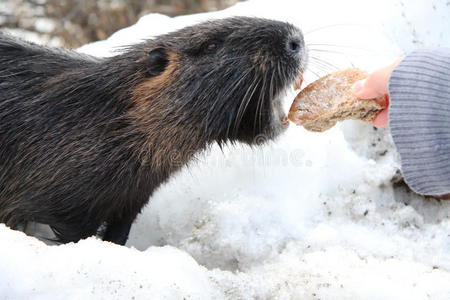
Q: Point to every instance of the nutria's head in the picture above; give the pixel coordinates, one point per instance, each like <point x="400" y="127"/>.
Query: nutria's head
<point x="222" y="79"/>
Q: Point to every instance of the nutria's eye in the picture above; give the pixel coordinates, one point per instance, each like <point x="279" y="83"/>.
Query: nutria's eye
<point x="211" y="47"/>
<point x="156" y="62"/>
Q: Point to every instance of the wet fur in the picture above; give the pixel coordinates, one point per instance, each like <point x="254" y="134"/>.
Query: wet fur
<point x="85" y="141"/>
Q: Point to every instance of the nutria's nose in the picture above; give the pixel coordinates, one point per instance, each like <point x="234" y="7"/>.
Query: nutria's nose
<point x="294" y="45"/>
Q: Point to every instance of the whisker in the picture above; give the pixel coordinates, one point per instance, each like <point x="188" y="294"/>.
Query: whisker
<point x="215" y="105"/>
<point x="332" y="26"/>
<point x="229" y="92"/>
<point x="260" y="105"/>
<point x="330" y="52"/>
<point x="326" y="65"/>
<point x="244" y="103"/>
<point x="234" y="58"/>
<point x="319" y="70"/>
<point x="339" y="46"/>
<point x="327" y="51"/>
<point x="340" y="49"/>
<point x="271" y="85"/>
<point x="314" y="73"/>
<point x="13" y="74"/>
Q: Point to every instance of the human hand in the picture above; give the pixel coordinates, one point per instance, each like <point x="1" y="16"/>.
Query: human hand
<point x="376" y="86"/>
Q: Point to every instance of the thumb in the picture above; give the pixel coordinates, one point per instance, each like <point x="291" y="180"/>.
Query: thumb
<point x="373" y="86"/>
<point x="376" y="84"/>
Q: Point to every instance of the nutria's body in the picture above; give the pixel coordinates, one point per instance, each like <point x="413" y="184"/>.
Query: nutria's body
<point x="85" y="141"/>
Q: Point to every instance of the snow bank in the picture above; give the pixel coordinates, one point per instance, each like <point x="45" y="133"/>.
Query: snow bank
<point x="309" y="216"/>
<point x="92" y="269"/>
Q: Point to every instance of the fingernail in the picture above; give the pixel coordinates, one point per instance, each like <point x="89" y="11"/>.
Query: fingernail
<point x="358" y="86"/>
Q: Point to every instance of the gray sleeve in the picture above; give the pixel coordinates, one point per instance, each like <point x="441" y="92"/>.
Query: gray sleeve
<point x="419" y="116"/>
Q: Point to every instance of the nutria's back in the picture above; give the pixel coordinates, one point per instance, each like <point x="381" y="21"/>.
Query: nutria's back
<point x="85" y="141"/>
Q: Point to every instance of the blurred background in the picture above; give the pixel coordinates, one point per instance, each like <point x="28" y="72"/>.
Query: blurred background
<point x="72" y="23"/>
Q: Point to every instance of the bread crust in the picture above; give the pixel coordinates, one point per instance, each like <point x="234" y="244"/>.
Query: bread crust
<point x="323" y="103"/>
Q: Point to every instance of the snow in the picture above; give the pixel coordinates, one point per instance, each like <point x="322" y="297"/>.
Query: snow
<point x="309" y="216"/>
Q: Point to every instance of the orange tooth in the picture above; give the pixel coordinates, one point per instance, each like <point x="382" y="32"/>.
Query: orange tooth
<point x="298" y="82"/>
<point x="285" y="121"/>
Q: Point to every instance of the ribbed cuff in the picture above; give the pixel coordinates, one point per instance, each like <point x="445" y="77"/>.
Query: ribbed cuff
<point x="419" y="116"/>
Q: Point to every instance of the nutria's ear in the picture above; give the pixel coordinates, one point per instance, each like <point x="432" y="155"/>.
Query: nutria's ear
<point x="156" y="61"/>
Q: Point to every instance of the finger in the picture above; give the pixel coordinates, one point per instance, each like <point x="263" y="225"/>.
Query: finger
<point x="376" y="85"/>
<point x="373" y="86"/>
<point x="381" y="119"/>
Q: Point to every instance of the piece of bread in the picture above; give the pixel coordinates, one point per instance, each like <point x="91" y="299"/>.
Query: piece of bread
<point x="329" y="99"/>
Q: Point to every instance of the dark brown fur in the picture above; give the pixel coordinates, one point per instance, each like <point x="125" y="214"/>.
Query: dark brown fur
<point x="85" y="141"/>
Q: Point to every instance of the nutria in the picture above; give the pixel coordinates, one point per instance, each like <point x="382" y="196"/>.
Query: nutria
<point x="85" y="141"/>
